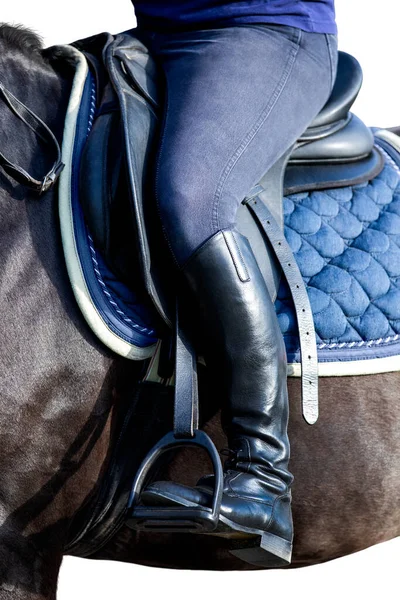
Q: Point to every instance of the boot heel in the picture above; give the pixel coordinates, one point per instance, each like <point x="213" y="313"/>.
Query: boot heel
<point x="272" y="552"/>
<point x="277" y="545"/>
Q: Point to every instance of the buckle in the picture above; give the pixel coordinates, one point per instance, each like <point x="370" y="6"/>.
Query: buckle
<point x="50" y="179"/>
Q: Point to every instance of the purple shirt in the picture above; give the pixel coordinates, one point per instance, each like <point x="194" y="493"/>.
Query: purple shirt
<point x="166" y="15"/>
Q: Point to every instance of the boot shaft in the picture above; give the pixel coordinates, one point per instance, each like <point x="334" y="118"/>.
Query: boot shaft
<point x="245" y="352"/>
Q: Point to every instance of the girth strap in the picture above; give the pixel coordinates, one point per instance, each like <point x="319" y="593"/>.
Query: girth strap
<point x="44" y="133"/>
<point x="305" y="321"/>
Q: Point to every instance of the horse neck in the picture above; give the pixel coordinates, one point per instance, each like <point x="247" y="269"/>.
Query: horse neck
<point x="54" y="365"/>
<point x="35" y="82"/>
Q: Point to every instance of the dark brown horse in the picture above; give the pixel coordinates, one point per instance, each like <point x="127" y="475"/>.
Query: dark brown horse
<point x="64" y="399"/>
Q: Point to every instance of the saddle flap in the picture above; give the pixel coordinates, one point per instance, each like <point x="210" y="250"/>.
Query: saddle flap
<point x="105" y="194"/>
<point x="115" y="186"/>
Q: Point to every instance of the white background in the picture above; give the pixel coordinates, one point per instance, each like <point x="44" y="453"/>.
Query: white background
<point x="370" y="31"/>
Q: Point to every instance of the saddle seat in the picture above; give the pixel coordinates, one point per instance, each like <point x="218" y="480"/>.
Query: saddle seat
<point x="337" y="143"/>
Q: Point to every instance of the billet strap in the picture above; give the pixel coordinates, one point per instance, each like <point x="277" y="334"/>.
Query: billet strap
<point x="305" y="321"/>
<point x="186" y="404"/>
<point x="44" y="133"/>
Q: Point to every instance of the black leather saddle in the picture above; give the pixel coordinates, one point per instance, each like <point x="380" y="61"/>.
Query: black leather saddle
<point x="115" y="189"/>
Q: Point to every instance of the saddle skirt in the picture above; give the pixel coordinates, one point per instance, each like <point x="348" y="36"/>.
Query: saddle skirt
<point x="344" y="234"/>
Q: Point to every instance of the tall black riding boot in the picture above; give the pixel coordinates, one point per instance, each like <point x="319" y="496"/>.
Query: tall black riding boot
<point x="245" y="351"/>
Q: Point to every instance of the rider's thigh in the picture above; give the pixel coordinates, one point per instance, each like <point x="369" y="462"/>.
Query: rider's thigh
<point x="237" y="98"/>
<point x="303" y="93"/>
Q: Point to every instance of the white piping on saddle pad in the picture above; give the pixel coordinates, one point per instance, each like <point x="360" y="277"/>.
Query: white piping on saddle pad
<point x="345" y="368"/>
<point x="80" y="290"/>
<point x="371" y="366"/>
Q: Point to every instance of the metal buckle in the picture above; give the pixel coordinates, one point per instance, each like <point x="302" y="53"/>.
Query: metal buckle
<point x="50" y="179"/>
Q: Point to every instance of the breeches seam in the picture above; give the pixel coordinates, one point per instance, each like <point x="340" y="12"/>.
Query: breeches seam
<point x="250" y="135"/>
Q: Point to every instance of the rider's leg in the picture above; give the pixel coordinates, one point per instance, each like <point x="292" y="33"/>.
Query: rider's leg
<point x="237" y="98"/>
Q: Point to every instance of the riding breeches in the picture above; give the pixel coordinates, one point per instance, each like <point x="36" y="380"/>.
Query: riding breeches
<point x="236" y="98"/>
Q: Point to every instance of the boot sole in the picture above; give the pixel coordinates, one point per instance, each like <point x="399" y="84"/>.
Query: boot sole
<point x="270" y="550"/>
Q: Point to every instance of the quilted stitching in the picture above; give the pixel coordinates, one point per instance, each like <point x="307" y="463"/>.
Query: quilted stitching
<point x="347" y="244"/>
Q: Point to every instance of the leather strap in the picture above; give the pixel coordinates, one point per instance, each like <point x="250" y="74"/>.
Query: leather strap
<point x="305" y="321"/>
<point x="186" y="403"/>
<point x="44" y="133"/>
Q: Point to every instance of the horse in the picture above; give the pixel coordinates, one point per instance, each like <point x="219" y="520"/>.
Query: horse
<point x="75" y="417"/>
